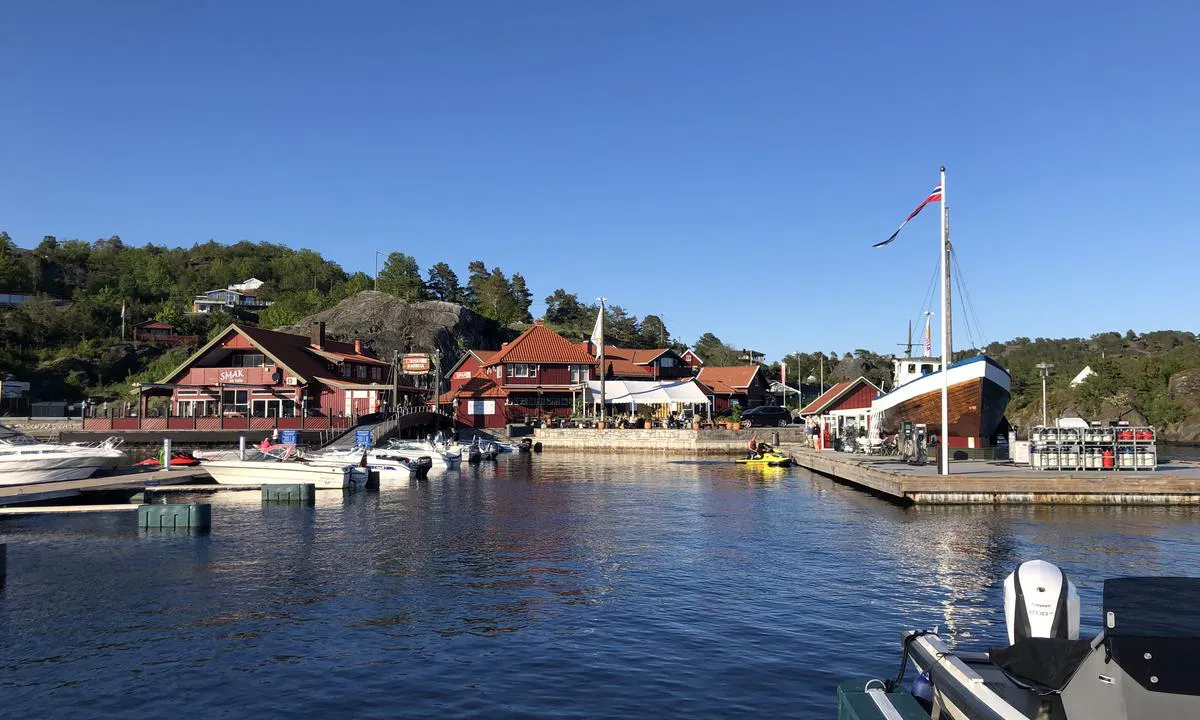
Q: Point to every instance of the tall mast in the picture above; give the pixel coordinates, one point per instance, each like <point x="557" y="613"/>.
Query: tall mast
<point x="949" y="296"/>
<point x="943" y="253"/>
<point x="908" y="347"/>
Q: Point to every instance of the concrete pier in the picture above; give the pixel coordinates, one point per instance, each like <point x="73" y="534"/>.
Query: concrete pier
<point x="998" y="483"/>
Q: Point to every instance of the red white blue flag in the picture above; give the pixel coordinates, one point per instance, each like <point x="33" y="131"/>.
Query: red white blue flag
<point x="934" y="196"/>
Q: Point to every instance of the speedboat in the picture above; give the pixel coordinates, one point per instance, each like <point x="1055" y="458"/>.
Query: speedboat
<point x="444" y="454"/>
<point x="386" y="470"/>
<point x="24" y="460"/>
<point x="282" y="466"/>
<point x="1137" y="668"/>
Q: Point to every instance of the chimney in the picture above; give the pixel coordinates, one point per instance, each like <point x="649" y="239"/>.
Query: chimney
<point x="316" y="335"/>
<point x="358" y="350"/>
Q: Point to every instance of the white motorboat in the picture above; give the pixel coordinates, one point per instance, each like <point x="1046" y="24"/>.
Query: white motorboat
<point x="283" y="469"/>
<point x="399" y="469"/>
<point x="1138" y="668"/>
<point x="24" y="460"/>
<point x="445" y="455"/>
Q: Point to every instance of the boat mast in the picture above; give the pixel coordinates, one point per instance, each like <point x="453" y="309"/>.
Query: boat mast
<point x="943" y="252"/>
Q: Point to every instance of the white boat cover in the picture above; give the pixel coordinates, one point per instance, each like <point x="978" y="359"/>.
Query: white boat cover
<point x="647" y="392"/>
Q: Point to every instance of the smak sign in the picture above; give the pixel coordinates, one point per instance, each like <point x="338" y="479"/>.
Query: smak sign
<point x="416" y="363"/>
<point x="232" y="375"/>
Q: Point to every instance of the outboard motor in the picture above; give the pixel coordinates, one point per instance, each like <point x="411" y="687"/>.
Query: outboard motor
<point x="1039" y="601"/>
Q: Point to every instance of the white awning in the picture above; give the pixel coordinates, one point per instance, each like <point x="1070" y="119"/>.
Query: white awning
<point x="647" y="392"/>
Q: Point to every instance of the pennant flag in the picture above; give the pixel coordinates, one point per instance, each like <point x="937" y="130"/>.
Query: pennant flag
<point x="783" y="373"/>
<point x="934" y="196"/>
<point x="928" y="339"/>
<point x="598" y="331"/>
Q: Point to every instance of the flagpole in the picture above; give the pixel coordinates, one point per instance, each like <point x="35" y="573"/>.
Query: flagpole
<point x="943" y="242"/>
<point x="603" y="411"/>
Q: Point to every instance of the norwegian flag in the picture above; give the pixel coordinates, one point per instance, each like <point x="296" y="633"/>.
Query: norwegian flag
<point x="934" y="196"/>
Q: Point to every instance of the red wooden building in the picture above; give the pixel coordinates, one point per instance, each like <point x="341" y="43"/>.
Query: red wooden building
<point x="246" y="374"/>
<point x="635" y="364"/>
<point x="161" y="332"/>
<point x="742" y="385"/>
<point x="843" y="408"/>
<point x="538" y="373"/>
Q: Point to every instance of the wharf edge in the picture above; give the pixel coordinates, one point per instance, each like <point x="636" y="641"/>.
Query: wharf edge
<point x="990" y="483"/>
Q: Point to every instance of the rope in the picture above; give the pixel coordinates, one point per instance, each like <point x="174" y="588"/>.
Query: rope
<point x="967" y="298"/>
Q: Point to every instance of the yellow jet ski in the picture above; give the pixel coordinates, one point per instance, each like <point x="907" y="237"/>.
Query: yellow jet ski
<point x="771" y="458"/>
<point x="764" y="454"/>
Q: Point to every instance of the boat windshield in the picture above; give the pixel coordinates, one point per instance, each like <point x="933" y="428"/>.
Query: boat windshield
<point x="9" y="436"/>
<point x="1152" y="607"/>
<point x="1152" y="630"/>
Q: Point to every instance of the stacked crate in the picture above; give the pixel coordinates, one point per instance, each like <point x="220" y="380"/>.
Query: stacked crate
<point x="1093" y="448"/>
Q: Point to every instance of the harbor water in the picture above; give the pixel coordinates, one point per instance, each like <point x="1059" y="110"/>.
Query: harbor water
<point x="547" y="586"/>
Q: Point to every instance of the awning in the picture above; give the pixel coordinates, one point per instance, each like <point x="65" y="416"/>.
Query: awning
<point x="647" y="392"/>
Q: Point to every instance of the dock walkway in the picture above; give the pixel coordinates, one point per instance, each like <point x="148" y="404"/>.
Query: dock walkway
<point x="986" y="482"/>
<point x="132" y="481"/>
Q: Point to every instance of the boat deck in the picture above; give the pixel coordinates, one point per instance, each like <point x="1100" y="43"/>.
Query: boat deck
<point x="996" y="482"/>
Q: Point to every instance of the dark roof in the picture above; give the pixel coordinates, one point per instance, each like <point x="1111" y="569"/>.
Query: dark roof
<point x="293" y="352"/>
<point x="835" y="393"/>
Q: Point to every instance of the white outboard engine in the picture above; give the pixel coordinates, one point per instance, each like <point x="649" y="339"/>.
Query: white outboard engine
<point x="1039" y="601"/>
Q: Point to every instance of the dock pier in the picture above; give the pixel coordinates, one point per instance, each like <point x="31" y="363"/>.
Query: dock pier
<point x="980" y="482"/>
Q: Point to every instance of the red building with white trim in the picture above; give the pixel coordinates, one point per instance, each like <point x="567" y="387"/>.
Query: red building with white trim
<point x="844" y="406"/>
<point x="742" y="385"/>
<point x="538" y="373"/>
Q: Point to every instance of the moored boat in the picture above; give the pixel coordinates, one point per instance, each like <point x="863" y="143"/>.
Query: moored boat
<point x="1139" y="667"/>
<point x="24" y="460"/>
<point x="267" y="472"/>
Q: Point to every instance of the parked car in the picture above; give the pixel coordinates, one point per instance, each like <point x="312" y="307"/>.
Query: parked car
<point x="767" y="416"/>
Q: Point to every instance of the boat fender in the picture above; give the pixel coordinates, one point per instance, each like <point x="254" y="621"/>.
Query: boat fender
<point x="922" y="690"/>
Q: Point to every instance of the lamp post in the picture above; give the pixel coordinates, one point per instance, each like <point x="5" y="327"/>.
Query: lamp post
<point x="1044" y="370"/>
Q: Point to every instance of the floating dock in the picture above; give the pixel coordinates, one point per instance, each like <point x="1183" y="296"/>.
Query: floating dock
<point x="983" y="482"/>
<point x="130" y="481"/>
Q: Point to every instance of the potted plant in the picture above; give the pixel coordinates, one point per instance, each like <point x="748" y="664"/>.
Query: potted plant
<point x="647" y="416"/>
<point x="735" y="418"/>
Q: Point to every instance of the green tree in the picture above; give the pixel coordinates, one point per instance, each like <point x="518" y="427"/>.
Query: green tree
<point x="477" y="276"/>
<point x="716" y="353"/>
<point x="653" y="332"/>
<point x="522" y="296"/>
<point x="564" y="310"/>
<point x="401" y="277"/>
<point x="443" y="283"/>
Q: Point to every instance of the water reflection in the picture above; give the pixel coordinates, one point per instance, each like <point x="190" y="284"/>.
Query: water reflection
<point x="538" y="585"/>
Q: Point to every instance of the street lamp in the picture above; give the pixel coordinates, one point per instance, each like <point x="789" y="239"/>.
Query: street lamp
<point x="1044" y="370"/>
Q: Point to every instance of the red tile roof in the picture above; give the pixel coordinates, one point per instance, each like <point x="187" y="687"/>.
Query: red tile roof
<point x="728" y="380"/>
<point x="630" y="362"/>
<point x="540" y="344"/>
<point x="480" y="385"/>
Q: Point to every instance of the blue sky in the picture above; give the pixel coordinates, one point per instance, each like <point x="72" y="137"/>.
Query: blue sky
<point x="726" y="165"/>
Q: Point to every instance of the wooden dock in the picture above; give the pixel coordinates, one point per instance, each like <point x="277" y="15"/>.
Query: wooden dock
<point x="1000" y="483"/>
<point x="64" y="509"/>
<point x="131" y="481"/>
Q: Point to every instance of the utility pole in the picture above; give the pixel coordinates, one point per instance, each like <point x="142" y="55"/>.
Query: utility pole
<point x="396" y="381"/>
<point x="377" y="253"/>
<point x="1044" y="370"/>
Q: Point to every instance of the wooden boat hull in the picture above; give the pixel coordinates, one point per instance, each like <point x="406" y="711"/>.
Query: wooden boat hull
<point x="978" y="396"/>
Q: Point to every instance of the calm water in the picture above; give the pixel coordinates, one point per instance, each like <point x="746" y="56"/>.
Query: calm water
<point x="551" y="586"/>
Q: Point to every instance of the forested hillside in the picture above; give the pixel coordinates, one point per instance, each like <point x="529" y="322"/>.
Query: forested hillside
<point x="67" y="341"/>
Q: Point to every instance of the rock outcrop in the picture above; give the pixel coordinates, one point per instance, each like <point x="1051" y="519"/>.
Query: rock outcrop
<point x="388" y="324"/>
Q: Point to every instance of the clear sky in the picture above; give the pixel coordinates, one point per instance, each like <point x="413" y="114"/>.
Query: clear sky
<point x="724" y="164"/>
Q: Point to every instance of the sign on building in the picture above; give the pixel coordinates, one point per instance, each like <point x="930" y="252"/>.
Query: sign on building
<point x="416" y="363"/>
<point x="481" y="407"/>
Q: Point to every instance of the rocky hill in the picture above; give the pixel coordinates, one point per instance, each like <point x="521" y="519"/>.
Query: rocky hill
<point x="389" y="324"/>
